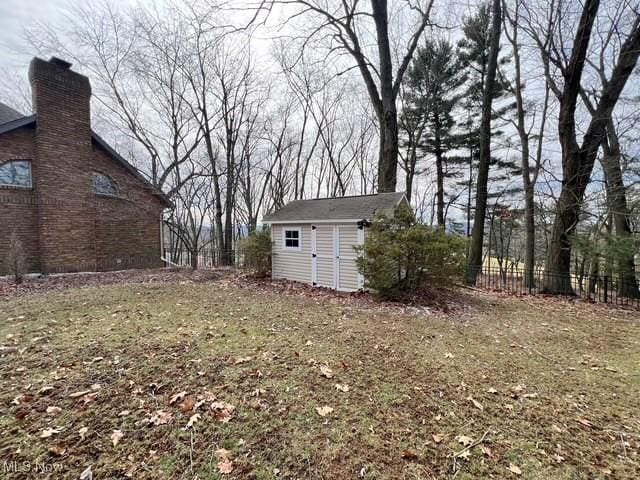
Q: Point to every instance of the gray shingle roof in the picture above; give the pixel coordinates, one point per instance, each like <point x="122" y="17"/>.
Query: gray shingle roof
<point x="337" y="208"/>
<point x="8" y="114"/>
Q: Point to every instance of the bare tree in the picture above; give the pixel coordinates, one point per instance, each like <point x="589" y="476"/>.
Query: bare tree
<point x="477" y="234"/>
<point x="530" y="164"/>
<point x="346" y="23"/>
<point x="578" y="158"/>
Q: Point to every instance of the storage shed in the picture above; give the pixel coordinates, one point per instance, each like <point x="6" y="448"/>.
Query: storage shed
<point x="313" y="240"/>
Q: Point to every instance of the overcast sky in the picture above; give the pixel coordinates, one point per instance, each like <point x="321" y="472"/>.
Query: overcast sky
<point x="15" y="16"/>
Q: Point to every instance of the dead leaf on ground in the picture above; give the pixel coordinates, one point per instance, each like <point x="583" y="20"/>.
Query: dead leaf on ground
<point x="57" y="450"/>
<point x="325" y="371"/>
<point x="49" y="432"/>
<point x="53" y="410"/>
<point x="342" y="388"/>
<point x="514" y="469"/>
<point x="79" y="394"/>
<point x="86" y="474"/>
<point x="116" y="436"/>
<point x="486" y="450"/>
<point x="161" y="418"/>
<point x="465" y="454"/>
<point x="437" y="437"/>
<point x="409" y="455"/>
<point x="178" y="396"/>
<point x="187" y="405"/>
<point x="464" y="440"/>
<point x="240" y="360"/>
<point x="194" y="418"/>
<point x="585" y="422"/>
<point x="492" y="390"/>
<point x="476" y="403"/>
<point x="225" y="465"/>
<point x="222" y="411"/>
<point x="324" y="411"/>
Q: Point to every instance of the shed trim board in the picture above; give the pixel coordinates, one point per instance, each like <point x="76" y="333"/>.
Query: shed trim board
<point x="291" y="222"/>
<point x="360" y="243"/>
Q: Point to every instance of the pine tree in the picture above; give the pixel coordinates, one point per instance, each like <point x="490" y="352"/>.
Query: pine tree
<point x="434" y="82"/>
<point x="473" y="55"/>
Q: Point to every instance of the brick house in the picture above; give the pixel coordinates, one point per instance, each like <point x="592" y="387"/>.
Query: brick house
<point x="72" y="201"/>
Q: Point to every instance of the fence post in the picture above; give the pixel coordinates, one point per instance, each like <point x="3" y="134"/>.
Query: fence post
<point x="606" y="289"/>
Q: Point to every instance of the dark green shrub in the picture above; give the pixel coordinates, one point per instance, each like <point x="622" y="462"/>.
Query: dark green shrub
<point x="257" y="251"/>
<point x="401" y="255"/>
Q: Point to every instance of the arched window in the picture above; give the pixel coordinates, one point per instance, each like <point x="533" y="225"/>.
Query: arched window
<point x="15" y="173"/>
<point x="103" y="185"/>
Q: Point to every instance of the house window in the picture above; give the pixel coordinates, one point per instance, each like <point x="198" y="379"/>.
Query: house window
<point x="103" y="185"/>
<point x="291" y="239"/>
<point x="16" y="173"/>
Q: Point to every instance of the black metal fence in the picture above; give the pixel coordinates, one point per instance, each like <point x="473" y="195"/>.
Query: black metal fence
<point x="205" y="258"/>
<point x="614" y="289"/>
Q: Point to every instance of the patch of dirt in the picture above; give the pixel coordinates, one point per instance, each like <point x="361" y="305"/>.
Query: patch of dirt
<point x="430" y="301"/>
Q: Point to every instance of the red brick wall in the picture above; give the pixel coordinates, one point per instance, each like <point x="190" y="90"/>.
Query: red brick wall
<point x="127" y="226"/>
<point x="62" y="149"/>
<point x="18" y="207"/>
<point x="64" y="225"/>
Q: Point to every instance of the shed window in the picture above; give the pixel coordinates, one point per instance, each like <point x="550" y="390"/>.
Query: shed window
<point x="292" y="238"/>
<point x="103" y="185"/>
<point x="16" y="173"/>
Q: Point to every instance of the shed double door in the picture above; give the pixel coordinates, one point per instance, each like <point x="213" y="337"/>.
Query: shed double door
<point x="333" y="260"/>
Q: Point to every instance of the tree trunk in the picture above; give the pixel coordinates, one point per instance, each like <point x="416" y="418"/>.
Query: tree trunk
<point x="477" y="234"/>
<point x="387" y="114"/>
<point x="439" y="175"/>
<point x="617" y="200"/>
<point x="388" y="155"/>
<point x="578" y="161"/>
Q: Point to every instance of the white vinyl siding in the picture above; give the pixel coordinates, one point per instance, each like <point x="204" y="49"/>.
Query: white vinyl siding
<point x="291" y="263"/>
<point x="325" y="255"/>
<point x="331" y="241"/>
<point x="348" y="275"/>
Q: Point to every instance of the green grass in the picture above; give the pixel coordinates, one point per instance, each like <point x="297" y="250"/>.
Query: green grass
<point x="565" y="375"/>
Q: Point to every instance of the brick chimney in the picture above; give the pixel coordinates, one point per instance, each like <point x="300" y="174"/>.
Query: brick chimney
<point x="61" y="101"/>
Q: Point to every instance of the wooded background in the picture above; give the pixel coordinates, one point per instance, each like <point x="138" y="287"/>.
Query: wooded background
<point x="512" y="122"/>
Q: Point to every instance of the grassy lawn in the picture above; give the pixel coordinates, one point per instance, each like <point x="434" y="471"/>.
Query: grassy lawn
<point x="536" y="388"/>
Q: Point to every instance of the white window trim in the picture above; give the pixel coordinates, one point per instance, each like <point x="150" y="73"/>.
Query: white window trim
<point x="284" y="239"/>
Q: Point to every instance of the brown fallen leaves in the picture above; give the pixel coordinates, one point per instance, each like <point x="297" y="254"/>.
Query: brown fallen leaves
<point x="324" y="411"/>
<point x="49" y="432"/>
<point x="116" y="436"/>
<point x="464" y="440"/>
<point x="409" y="455"/>
<point x="177" y="397"/>
<point x="476" y="403"/>
<point x="193" y="419"/>
<point x="225" y="464"/>
<point x="222" y="411"/>
<point x="325" y="371"/>
<point x="160" y="418"/>
<point x="514" y="469"/>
